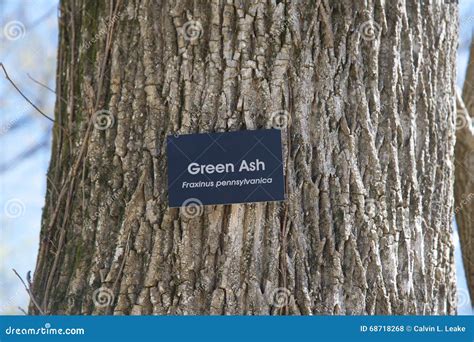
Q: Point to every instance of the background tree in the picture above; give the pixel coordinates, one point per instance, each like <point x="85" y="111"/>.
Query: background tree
<point x="364" y="92"/>
<point x="464" y="166"/>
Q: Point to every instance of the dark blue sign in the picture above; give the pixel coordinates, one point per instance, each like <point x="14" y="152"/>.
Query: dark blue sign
<point x="224" y="168"/>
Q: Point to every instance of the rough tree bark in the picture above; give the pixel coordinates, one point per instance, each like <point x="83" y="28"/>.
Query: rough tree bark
<point x="369" y="88"/>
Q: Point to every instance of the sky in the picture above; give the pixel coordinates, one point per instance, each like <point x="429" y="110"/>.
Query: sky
<point x="28" y="49"/>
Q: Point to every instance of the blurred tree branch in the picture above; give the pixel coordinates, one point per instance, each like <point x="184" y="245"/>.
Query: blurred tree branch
<point x="464" y="171"/>
<point x="25" y="154"/>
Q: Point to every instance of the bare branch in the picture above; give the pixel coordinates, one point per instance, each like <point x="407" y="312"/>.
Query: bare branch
<point x="29" y="101"/>
<point x="39" y="83"/>
<point x="29" y="292"/>
<point x="23" y="95"/>
<point x="25" y="154"/>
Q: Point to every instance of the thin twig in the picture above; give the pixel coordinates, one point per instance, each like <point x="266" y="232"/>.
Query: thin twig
<point x="29" y="292"/>
<point x="23" y="95"/>
<point x="28" y="100"/>
<point x="39" y="83"/>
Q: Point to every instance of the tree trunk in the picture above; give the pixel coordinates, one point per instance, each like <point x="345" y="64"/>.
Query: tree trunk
<point x="364" y="91"/>
<point x="464" y="167"/>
